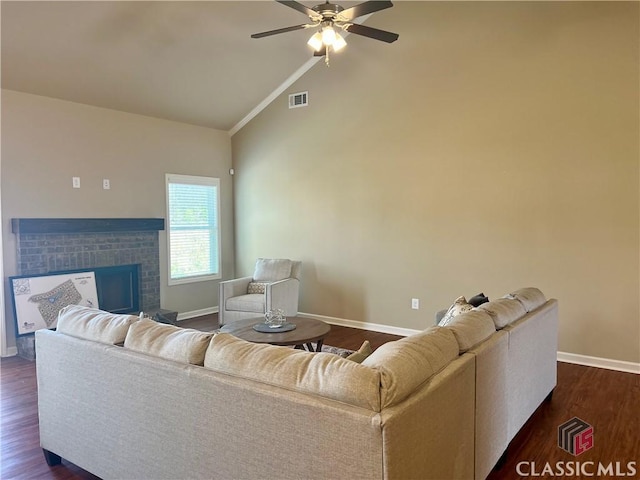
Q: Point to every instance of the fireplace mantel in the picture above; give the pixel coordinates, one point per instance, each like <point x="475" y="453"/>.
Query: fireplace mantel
<point x="84" y="225"/>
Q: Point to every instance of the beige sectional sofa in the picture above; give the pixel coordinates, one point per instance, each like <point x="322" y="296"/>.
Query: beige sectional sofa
<point x="128" y="398"/>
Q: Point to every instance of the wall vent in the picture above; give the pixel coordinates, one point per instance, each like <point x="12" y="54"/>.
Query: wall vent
<point x="300" y="99"/>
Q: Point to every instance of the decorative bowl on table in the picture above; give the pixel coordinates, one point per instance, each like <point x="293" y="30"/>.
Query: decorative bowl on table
<point x="275" y="318"/>
<point x="274" y="322"/>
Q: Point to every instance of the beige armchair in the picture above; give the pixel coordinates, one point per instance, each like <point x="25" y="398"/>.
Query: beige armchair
<point x="275" y="284"/>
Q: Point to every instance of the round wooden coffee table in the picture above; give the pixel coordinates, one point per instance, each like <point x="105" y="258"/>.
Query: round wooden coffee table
<point x="307" y="330"/>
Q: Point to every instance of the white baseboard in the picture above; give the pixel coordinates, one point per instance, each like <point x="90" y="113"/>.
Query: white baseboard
<point x="585" y="360"/>
<point x="11" y="352"/>
<point x="375" y="327"/>
<point x="197" y="313"/>
<point x="609" y="364"/>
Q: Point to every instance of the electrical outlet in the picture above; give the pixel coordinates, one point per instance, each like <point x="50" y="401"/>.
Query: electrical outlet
<point x="76" y="182"/>
<point x="415" y="303"/>
<point x="106" y="184"/>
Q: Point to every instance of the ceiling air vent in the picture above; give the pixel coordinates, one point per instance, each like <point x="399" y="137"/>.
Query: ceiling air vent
<point x="298" y="99"/>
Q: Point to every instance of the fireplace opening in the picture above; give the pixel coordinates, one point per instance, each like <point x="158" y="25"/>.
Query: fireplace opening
<point x="118" y="287"/>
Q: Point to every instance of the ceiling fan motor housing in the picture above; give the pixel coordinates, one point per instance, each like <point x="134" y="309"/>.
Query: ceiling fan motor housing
<point x="327" y="10"/>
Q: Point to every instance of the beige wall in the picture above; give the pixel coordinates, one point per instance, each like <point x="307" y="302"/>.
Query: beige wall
<point x="494" y="146"/>
<point x="46" y="142"/>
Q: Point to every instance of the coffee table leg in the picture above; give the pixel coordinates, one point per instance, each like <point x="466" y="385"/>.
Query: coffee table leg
<point x="309" y="346"/>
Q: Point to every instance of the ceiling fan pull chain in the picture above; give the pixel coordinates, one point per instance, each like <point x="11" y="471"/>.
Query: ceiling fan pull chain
<point x="326" y="55"/>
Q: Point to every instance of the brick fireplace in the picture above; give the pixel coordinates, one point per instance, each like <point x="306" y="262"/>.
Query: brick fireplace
<point x="51" y="245"/>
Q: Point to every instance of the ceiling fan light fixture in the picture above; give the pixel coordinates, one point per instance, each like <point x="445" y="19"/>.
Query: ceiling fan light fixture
<point x="339" y="43"/>
<point x="315" y="41"/>
<point x="328" y="35"/>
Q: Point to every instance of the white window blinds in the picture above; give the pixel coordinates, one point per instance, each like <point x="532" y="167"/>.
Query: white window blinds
<point x="193" y="228"/>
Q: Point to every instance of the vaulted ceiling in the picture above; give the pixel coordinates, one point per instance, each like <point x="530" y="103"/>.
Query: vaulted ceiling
<point x="187" y="61"/>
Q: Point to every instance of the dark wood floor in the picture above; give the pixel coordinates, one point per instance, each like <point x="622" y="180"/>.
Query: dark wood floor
<point x="608" y="400"/>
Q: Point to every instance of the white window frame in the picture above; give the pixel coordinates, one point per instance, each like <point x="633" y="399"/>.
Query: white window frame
<point x="171" y="178"/>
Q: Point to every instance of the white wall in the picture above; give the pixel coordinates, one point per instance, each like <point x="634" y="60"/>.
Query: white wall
<point x="494" y="146"/>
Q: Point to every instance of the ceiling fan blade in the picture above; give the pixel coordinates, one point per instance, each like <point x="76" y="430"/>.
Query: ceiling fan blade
<point x="364" y="9"/>
<point x="371" y="32"/>
<point x="279" y="30"/>
<point x="299" y="7"/>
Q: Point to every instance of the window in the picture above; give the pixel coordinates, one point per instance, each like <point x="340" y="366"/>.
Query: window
<point x="193" y="218"/>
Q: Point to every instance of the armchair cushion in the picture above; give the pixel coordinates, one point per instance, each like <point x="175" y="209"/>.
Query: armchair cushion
<point x="253" y="302"/>
<point x="272" y="269"/>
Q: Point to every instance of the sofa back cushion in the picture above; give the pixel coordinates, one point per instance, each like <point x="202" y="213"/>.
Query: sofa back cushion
<point x="168" y="341"/>
<point x="471" y="328"/>
<point x="323" y="374"/>
<point x="407" y="363"/>
<point x="503" y="311"/>
<point x="530" y="298"/>
<point x="93" y="324"/>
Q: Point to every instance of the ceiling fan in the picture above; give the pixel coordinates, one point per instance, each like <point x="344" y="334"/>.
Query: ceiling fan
<point x="326" y="17"/>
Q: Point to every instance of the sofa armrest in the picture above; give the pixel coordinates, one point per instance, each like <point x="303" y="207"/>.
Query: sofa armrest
<point x="283" y="294"/>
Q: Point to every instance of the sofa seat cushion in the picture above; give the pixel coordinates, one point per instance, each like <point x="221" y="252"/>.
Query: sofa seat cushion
<point x="93" y="324"/>
<point x="407" y="363"/>
<point x="182" y="345"/>
<point x="252" y="302"/>
<point x="503" y="311"/>
<point x="272" y="269"/>
<point x="471" y="328"/>
<point x="323" y="374"/>
<point x="530" y="298"/>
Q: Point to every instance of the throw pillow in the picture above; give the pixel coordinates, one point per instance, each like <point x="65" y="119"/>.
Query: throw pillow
<point x="478" y="299"/>
<point x="459" y="306"/>
<point x="363" y="352"/>
<point x="256" y="287"/>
